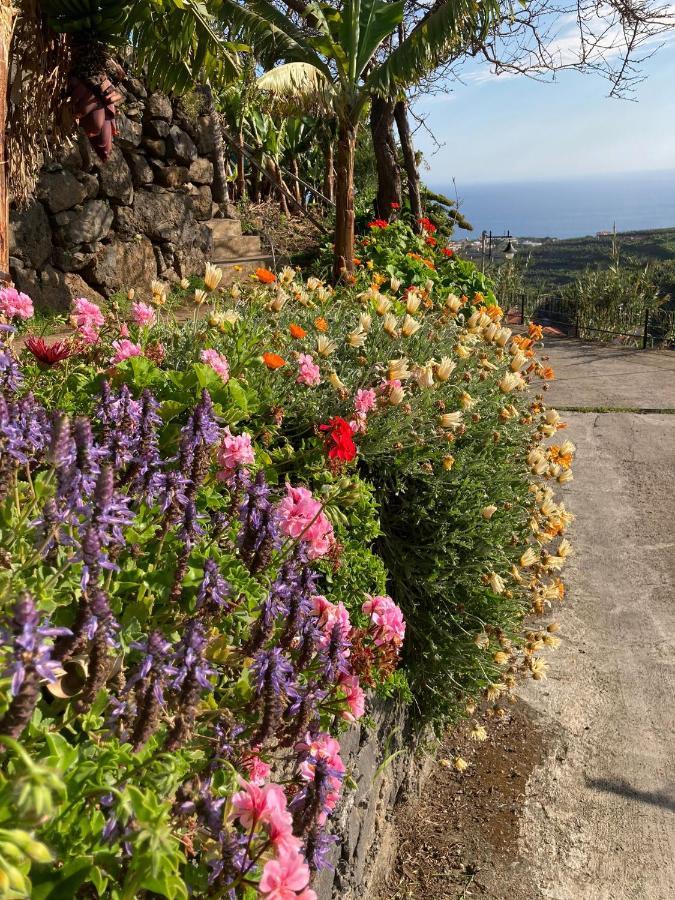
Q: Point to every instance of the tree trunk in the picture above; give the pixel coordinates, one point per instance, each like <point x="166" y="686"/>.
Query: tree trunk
<point x="297" y="190"/>
<point x="275" y="172"/>
<point x="329" y="173"/>
<point x="343" y="254"/>
<point x="219" y="186"/>
<point x="7" y="13"/>
<point x="410" y="163"/>
<point x="241" y="171"/>
<point x="255" y="186"/>
<point x="384" y="145"/>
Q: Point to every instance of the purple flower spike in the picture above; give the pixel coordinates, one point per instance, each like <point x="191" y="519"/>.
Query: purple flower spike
<point x="214" y="590"/>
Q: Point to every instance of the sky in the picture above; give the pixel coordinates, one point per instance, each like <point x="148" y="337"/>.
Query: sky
<point x="511" y="128"/>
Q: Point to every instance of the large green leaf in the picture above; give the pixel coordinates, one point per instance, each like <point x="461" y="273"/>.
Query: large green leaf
<point x="377" y="20"/>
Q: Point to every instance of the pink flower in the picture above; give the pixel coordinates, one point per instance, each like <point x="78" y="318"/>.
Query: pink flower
<point x="13" y="304"/>
<point x="88" y="334"/>
<point x="124" y="330"/>
<point x="328" y="615"/>
<point x="258" y="770"/>
<point x="218" y="363"/>
<point x="86" y="314"/>
<point x="142" y="314"/>
<point x="284" y="876"/>
<point x="355" y="697"/>
<point x="301" y="517"/>
<point x="387" y="618"/>
<point x="323" y="747"/>
<point x="280" y="830"/>
<point x="125" y="349"/>
<point x="235" y="450"/>
<point x="364" y="401"/>
<point x="309" y="372"/>
<point x="258" y="804"/>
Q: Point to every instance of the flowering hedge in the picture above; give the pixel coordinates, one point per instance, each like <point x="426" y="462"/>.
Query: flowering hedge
<point x="218" y="533"/>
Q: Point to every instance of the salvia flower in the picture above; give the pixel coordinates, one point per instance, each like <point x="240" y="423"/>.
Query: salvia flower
<point x="213" y="594"/>
<point x="10" y="372"/>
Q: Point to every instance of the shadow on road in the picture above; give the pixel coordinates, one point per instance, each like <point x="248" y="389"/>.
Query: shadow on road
<point x="624" y="789"/>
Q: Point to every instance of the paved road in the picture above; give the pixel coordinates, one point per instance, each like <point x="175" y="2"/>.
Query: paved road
<point x="600" y="819"/>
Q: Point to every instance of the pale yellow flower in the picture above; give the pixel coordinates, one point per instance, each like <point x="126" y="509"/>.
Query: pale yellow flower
<point x="460" y="764"/>
<point x="448" y="461"/>
<point x="501" y="658"/>
<point x="565" y="477"/>
<point x="212" y="276"/>
<point x="395" y="283"/>
<point x="398" y="369"/>
<point x="185" y="283"/>
<point x="231" y="317"/>
<point x="365" y="321"/>
<point x="466" y="401"/>
<point x="481" y="640"/>
<point x="490" y="332"/>
<point x="529" y="558"/>
<point x="322" y="293"/>
<point x="496" y="583"/>
<point x="424" y="376"/>
<point x="550" y="640"/>
<point x="396" y="396"/>
<point x="159" y="292"/>
<point x="495" y="690"/>
<point x="410" y="326"/>
<point x="478" y="732"/>
<point x="450" y="420"/>
<point x="382" y="305"/>
<point x="564" y="548"/>
<point x="356" y="338"/>
<point x="389" y="324"/>
<point x="503" y="336"/>
<point x="200" y="296"/>
<point x="334" y="380"/>
<point x="488" y="512"/>
<point x="510" y="381"/>
<point x="538" y="667"/>
<point x="429" y="285"/>
<point x="462" y="351"/>
<point x="325" y="346"/>
<point x="131" y="293"/>
<point x="287" y="275"/>
<point x="552" y="416"/>
<point x="313" y="283"/>
<point x="412" y="303"/>
<point x="445" y="368"/>
<point x="453" y="303"/>
<point x="517" y="362"/>
<point x="235" y="291"/>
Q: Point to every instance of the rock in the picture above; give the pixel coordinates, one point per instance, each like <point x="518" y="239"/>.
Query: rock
<point x="155" y="148"/>
<point x="134" y="111"/>
<point x="157" y="128"/>
<point x="158" y="106"/>
<point x="89" y="158"/>
<point x="116" y="180"/>
<point x="52" y="290"/>
<point x="202" y="202"/>
<point x="90" y="184"/>
<point x="71" y="260"/>
<point x="135" y="86"/>
<point x="90" y="224"/>
<point x="60" y="190"/>
<point x="68" y="156"/>
<point x="204" y="136"/>
<point x="171" y="176"/>
<point x="141" y="171"/>
<point x="121" y="265"/>
<point x="129" y="133"/>
<point x="161" y="215"/>
<point x="201" y="171"/>
<point x="181" y="146"/>
<point x="30" y="237"/>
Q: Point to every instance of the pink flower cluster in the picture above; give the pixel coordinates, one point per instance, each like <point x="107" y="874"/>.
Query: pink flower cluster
<point x="258" y="770"/>
<point x="143" y="314"/>
<point x="308" y="371"/>
<point x="328" y="615"/>
<point x="364" y="401"/>
<point x="286" y="876"/>
<point x="217" y="362"/>
<point x="125" y="349"/>
<point x="387" y="618"/>
<point x="301" y="517"/>
<point x="14" y="304"/>
<point x="235" y="451"/>
<point x="355" y="697"/>
<point x="87" y="318"/>
<point x="323" y="747"/>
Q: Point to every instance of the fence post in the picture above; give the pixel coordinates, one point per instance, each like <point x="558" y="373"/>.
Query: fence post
<point x="522" y="309"/>
<point x="646" y="330"/>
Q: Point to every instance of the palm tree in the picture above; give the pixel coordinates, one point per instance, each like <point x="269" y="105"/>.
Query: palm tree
<point x="337" y="57"/>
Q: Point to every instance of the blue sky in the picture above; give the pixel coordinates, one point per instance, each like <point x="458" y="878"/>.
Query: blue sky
<point x="500" y="129"/>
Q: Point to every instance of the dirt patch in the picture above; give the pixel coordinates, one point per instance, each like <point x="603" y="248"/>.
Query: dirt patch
<point x="461" y="839"/>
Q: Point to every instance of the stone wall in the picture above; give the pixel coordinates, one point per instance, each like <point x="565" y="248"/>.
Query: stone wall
<point x="94" y="228"/>
<point x="389" y="765"/>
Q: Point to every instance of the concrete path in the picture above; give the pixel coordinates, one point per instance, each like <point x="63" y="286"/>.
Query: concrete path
<point x="600" y="819"/>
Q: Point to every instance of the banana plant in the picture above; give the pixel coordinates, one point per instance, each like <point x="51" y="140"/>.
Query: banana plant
<point x="337" y="61"/>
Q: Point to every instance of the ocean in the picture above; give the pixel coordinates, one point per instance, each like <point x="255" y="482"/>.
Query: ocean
<point x="568" y="207"/>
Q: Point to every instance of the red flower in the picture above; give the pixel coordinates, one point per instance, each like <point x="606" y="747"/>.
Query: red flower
<point x="339" y="439"/>
<point x="431" y="241"/>
<point x="395" y="205"/>
<point x="427" y="225"/>
<point x="446" y="251"/>
<point x="49" y="354"/>
<point x="378" y="223"/>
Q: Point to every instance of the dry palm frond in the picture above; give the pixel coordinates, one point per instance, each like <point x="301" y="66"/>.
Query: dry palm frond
<point x="38" y="115"/>
<point x="298" y="87"/>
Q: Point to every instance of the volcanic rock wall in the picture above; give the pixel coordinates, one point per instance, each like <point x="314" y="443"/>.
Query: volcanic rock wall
<point x="94" y="228"/>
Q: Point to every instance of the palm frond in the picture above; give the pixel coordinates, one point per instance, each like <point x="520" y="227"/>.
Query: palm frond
<point x="431" y="42"/>
<point x="298" y="88"/>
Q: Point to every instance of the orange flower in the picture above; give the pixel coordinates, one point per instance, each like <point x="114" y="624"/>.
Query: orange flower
<point x="273" y="360"/>
<point x="521" y="341"/>
<point x="357" y="262"/>
<point x="547" y="373"/>
<point x="495" y="312"/>
<point x="297" y="331"/>
<point x="478" y="298"/>
<point x="321" y="324"/>
<point x="535" y="331"/>
<point x="558" y="455"/>
<point x="265" y="276"/>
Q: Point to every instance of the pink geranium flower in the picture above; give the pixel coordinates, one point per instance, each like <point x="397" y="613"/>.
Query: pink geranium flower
<point x="328" y="615"/>
<point x="364" y="401"/>
<point x="284" y="877"/>
<point x="88" y="334"/>
<point x="86" y="314"/>
<point x="254" y="804"/>
<point x="143" y="314"/>
<point x="387" y="618"/>
<point x="258" y="770"/>
<point x="326" y="748"/>
<point x="15" y="304"/>
<point x="301" y="517"/>
<point x="308" y="371"/>
<point x="125" y="349"/>
<point x="235" y="450"/>
<point x="355" y="697"/>
<point x="218" y="363"/>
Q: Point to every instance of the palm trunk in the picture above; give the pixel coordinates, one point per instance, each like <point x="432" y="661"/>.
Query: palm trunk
<point x="384" y="145"/>
<point x="410" y="163"/>
<point x="343" y="254"/>
<point x="255" y="186"/>
<point x="241" y="171"/>
<point x="7" y="14"/>
<point x="297" y="190"/>
<point x="281" y="192"/>
<point x="219" y="186"/>
<point x="329" y="173"/>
